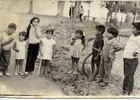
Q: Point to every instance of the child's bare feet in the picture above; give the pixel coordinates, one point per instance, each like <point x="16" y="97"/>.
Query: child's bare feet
<point x="41" y="75"/>
<point x="92" y="79"/>
<point x="104" y="84"/>
<point x="75" y="72"/>
<point x="99" y="81"/>
<point x="70" y="71"/>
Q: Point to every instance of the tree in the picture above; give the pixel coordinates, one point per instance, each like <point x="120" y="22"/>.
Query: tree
<point x="77" y="6"/>
<point x="110" y="6"/>
<point x="60" y="8"/>
<point x="130" y="6"/>
<point x="31" y="7"/>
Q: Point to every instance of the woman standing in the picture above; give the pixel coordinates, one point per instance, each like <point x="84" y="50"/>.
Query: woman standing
<point x="33" y="36"/>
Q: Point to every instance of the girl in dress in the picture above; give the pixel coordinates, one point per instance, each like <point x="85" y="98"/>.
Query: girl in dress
<point x="20" y="49"/>
<point x="78" y="45"/>
<point x="48" y="48"/>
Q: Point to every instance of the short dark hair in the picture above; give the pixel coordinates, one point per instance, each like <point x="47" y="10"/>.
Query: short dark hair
<point x="83" y="36"/>
<point x="101" y="28"/>
<point x="136" y="25"/>
<point x="23" y="33"/>
<point x="34" y="18"/>
<point x="50" y="30"/>
<point x="12" y="25"/>
<point x="113" y="31"/>
<point x="29" y="26"/>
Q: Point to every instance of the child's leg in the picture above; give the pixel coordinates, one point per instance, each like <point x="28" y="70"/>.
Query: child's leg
<point x="16" y="66"/>
<point x="72" y="64"/>
<point x="130" y="66"/>
<point x="97" y="68"/>
<point x="92" y="65"/>
<point x="7" y="55"/>
<point x="46" y="67"/>
<point x="42" y="67"/>
<point x="101" y="70"/>
<point x="77" y="64"/>
<point x="107" y="69"/>
<point x="21" y="66"/>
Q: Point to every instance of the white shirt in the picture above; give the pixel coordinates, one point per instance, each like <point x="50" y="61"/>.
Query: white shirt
<point x="132" y="45"/>
<point x="81" y="10"/>
<point x="32" y="36"/>
<point x="6" y="37"/>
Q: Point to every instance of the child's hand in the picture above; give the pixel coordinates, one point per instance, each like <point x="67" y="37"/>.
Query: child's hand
<point x="73" y="41"/>
<point x="135" y="54"/>
<point x="17" y="50"/>
<point x="41" y="56"/>
<point x="96" y="59"/>
<point x="101" y="53"/>
<point x="112" y="57"/>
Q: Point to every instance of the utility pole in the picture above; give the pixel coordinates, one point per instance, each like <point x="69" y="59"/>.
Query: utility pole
<point x="135" y="14"/>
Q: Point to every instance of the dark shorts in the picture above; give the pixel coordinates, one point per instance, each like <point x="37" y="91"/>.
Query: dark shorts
<point x="5" y="59"/>
<point x="75" y="59"/>
<point x="95" y="62"/>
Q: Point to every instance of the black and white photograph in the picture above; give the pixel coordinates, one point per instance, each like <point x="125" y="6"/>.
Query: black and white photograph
<point x="69" y="49"/>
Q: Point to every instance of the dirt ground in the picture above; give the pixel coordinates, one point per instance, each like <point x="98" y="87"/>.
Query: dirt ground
<point x="58" y="82"/>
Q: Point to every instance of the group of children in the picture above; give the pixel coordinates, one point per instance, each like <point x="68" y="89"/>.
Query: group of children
<point x="31" y="42"/>
<point x="26" y="46"/>
<point x="104" y="55"/>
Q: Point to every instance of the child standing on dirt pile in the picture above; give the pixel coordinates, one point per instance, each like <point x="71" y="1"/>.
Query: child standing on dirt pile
<point x="130" y="59"/>
<point x="20" y="49"/>
<point x="77" y="43"/>
<point x="108" y="56"/>
<point x="48" y="49"/>
<point x="6" y="43"/>
<point x="96" y="57"/>
<point x="33" y="39"/>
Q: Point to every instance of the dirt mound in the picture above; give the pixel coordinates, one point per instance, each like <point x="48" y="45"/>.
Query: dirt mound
<point x="77" y="84"/>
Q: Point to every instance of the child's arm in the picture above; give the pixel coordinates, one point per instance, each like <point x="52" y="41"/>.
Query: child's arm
<point x="54" y="50"/>
<point x="100" y="47"/>
<point x="40" y="49"/>
<point x="37" y="32"/>
<point x="98" y="54"/>
<point x="73" y="41"/>
<point x="84" y="46"/>
<point x="7" y="42"/>
<point x="90" y="39"/>
<point x="117" y="48"/>
<point x="15" y="47"/>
